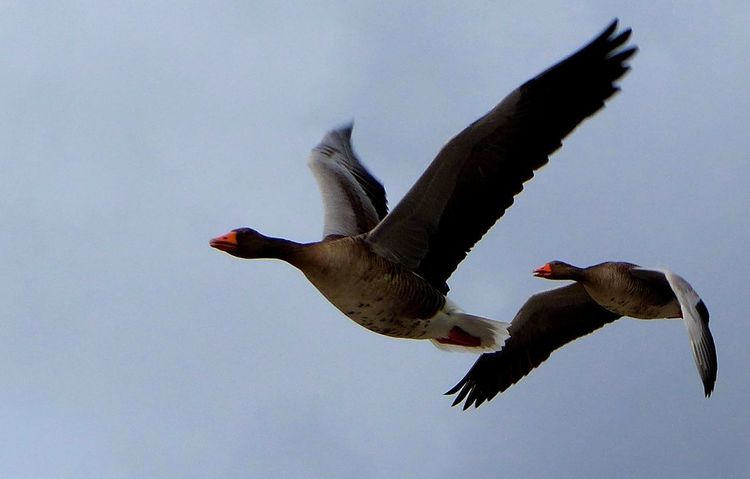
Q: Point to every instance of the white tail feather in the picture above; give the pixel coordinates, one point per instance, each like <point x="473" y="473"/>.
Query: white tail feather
<point x="492" y="334"/>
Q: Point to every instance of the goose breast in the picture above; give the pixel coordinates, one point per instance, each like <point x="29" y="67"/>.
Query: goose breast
<point x="374" y="292"/>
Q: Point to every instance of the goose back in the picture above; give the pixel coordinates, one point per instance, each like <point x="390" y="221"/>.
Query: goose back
<point x="615" y="287"/>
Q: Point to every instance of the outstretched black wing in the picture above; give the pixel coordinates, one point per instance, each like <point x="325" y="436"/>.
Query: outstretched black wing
<point x="546" y="322"/>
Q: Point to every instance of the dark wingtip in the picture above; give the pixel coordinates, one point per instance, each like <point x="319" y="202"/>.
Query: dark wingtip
<point x="463" y="389"/>
<point x="623" y="55"/>
<point x="708" y="385"/>
<point x="611" y="27"/>
<point x="607" y="34"/>
<point x="709" y="381"/>
<point x="454" y="389"/>
<point x="346" y="129"/>
<point x="621" y="37"/>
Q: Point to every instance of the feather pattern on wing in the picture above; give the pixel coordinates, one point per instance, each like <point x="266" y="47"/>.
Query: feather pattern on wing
<point x="476" y="175"/>
<point x="354" y="201"/>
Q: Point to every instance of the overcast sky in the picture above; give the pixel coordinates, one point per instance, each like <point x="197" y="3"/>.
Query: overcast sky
<point x="131" y="133"/>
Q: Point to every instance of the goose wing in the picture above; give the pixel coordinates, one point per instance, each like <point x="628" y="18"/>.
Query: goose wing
<point x="354" y="201"/>
<point x="695" y="315"/>
<point x="475" y="176"/>
<point x="546" y="322"/>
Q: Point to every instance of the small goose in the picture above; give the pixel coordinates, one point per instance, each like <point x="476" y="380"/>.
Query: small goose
<point x="602" y="293"/>
<point x="388" y="272"/>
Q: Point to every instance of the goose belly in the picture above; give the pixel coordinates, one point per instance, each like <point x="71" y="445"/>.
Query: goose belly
<point x="634" y="305"/>
<point x="373" y="313"/>
<point x="384" y="303"/>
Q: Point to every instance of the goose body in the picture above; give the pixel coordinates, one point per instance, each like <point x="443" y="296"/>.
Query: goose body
<point x="388" y="271"/>
<point x="374" y="292"/>
<point x="616" y="287"/>
<point x="600" y="295"/>
<point x="626" y="288"/>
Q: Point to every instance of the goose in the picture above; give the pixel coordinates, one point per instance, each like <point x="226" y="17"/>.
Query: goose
<point x="387" y="271"/>
<point x="601" y="294"/>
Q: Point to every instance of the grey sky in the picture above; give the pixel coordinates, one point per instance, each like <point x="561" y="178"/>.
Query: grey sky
<point x="132" y="133"/>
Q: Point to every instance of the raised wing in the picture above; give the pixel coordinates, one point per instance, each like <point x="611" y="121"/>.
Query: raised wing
<point x="695" y="315"/>
<point x="353" y="199"/>
<point x="474" y="178"/>
<point x="546" y="322"/>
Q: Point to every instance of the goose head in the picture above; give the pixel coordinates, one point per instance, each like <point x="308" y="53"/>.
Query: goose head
<point x="245" y="243"/>
<point x="557" y="270"/>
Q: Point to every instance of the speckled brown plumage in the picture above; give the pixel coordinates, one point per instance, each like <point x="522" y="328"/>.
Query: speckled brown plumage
<point x="374" y="292"/>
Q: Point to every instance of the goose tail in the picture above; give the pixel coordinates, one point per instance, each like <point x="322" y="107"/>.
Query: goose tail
<point x="458" y="331"/>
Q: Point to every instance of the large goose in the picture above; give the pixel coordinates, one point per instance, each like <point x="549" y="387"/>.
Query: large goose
<point x="602" y="293"/>
<point x="388" y="272"/>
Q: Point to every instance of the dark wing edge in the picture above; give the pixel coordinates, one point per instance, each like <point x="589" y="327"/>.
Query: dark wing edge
<point x="354" y="200"/>
<point x="477" y="174"/>
<point x="548" y="108"/>
<point x="545" y="323"/>
<point x="372" y="186"/>
<point x="704" y="352"/>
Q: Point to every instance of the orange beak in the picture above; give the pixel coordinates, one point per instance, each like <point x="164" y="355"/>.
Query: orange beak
<point x="543" y="271"/>
<point x="227" y="242"/>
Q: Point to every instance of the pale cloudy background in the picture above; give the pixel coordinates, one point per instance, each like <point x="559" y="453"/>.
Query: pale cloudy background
<point x="131" y="133"/>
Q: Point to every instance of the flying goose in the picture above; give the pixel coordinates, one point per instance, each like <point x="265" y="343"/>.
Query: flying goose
<point x="388" y="271"/>
<point x="602" y="293"/>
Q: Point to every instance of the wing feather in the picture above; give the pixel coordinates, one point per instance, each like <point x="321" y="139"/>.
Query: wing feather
<point x="695" y="314"/>
<point x="354" y="201"/>
<point x="546" y="322"/>
<point x="476" y="175"/>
